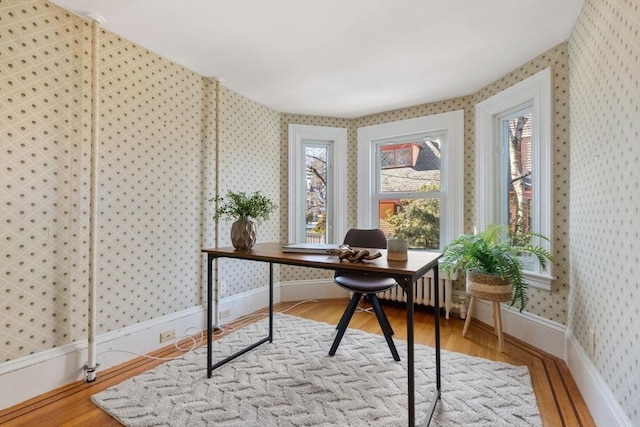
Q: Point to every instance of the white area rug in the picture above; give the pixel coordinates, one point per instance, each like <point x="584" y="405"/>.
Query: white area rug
<point x="293" y="382"/>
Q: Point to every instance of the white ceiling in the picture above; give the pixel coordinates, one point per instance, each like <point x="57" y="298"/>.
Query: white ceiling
<point x="342" y="58"/>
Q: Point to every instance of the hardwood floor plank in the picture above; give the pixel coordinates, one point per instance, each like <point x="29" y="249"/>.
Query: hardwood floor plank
<point x="556" y="392"/>
<point x="579" y="406"/>
<point x="545" y="395"/>
<point x="561" y="394"/>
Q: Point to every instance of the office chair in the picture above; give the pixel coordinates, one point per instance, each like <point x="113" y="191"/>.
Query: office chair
<point x="360" y="283"/>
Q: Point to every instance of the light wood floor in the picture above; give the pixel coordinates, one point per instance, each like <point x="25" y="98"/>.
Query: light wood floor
<point x="558" y="397"/>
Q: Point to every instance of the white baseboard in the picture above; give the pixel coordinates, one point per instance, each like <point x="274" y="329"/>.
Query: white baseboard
<point x="604" y="407"/>
<point x="541" y="333"/>
<point x="33" y="375"/>
<point x="36" y="374"/>
<point x="300" y="290"/>
<point x="236" y="306"/>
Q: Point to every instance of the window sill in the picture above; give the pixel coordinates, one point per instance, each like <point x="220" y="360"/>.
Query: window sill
<point x="539" y="281"/>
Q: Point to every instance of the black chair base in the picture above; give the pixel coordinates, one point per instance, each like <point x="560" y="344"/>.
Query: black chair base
<point x="382" y="319"/>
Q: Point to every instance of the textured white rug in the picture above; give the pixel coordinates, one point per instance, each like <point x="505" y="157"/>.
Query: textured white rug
<point x="293" y="382"/>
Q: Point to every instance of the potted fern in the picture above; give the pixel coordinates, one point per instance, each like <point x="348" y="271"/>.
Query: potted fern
<point x="492" y="262"/>
<point x="242" y="209"/>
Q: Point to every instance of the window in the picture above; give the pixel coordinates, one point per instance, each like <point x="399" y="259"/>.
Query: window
<point x="513" y="164"/>
<point x="317" y="204"/>
<point x="318" y="194"/>
<point x="410" y="179"/>
<point x="399" y="155"/>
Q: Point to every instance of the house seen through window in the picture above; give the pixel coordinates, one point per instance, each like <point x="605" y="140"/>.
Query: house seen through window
<point x="408" y="183"/>
<point x="410" y="179"/>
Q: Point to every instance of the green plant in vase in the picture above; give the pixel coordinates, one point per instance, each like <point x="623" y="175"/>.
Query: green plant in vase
<point x="243" y="210"/>
<point x="495" y="252"/>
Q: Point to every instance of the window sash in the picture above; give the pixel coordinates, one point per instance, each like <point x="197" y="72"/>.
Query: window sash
<point x="451" y="191"/>
<point x="329" y="210"/>
<point x="536" y="92"/>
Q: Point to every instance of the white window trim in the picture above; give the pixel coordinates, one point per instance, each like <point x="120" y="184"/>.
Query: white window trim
<point x="452" y="166"/>
<point x="535" y="90"/>
<point x="337" y="137"/>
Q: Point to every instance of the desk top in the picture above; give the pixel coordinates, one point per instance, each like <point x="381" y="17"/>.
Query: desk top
<point x="417" y="264"/>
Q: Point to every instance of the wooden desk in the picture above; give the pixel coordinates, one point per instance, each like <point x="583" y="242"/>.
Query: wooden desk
<point x="405" y="272"/>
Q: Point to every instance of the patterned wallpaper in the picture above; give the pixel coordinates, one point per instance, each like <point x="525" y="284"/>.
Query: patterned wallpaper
<point x="288" y="273"/>
<point x="44" y="105"/>
<point x="156" y="175"/>
<point x="605" y="187"/>
<point x="249" y="161"/>
<point x="150" y="185"/>
<point x="548" y="305"/>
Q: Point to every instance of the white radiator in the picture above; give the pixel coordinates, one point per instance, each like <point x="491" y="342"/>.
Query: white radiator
<point x="424" y="294"/>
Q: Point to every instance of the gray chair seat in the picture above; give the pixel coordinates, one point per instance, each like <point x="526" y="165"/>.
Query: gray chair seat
<point x="365" y="284"/>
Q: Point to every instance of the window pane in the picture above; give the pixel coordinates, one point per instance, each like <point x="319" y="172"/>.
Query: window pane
<point x="405" y="167"/>
<point x="387" y="159"/>
<point x="415" y="220"/>
<point x="316" y="193"/>
<point x="520" y="186"/>
<point x="403" y="157"/>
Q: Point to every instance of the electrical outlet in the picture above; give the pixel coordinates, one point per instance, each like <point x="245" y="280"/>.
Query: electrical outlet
<point x="224" y="314"/>
<point x="167" y="335"/>
<point x="592" y="342"/>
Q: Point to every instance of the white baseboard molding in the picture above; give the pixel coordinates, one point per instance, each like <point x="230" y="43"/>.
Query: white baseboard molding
<point x="236" y="306"/>
<point x="36" y="374"/>
<point x="604" y="407"/>
<point x="541" y="333"/>
<point x="300" y="290"/>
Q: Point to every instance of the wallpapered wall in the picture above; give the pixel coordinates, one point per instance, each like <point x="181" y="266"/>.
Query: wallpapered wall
<point x="288" y="273"/>
<point x="249" y="160"/>
<point x="551" y="305"/>
<point x="44" y="103"/>
<point x="150" y="185"/>
<point x="605" y="187"/>
<point x="156" y="175"/>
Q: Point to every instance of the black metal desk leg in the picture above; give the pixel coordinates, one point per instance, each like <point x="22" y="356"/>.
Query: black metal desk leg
<point x="210" y="365"/>
<point x="436" y="394"/>
<point x="411" y="392"/>
<point x="437" y="326"/>
<point x="209" y="311"/>
<point x="270" y="302"/>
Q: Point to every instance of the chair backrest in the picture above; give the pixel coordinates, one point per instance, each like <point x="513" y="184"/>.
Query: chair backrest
<point x="373" y="238"/>
<point x="363" y="238"/>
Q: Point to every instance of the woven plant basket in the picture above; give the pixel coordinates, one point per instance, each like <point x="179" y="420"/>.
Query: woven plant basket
<point x="488" y="287"/>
